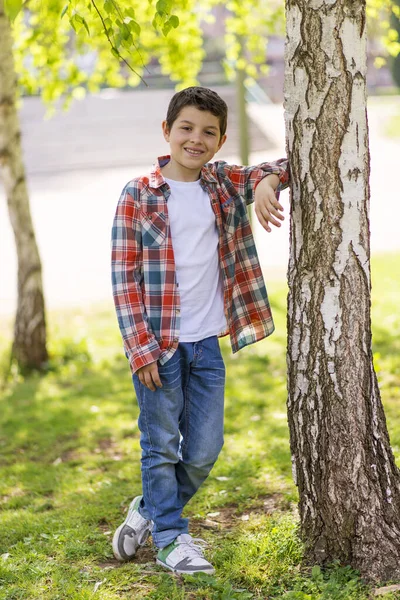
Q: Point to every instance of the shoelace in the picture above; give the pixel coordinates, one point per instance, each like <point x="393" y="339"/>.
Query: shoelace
<point x="194" y="547"/>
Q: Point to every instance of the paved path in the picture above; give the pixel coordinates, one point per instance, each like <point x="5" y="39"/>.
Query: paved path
<point x="79" y="161"/>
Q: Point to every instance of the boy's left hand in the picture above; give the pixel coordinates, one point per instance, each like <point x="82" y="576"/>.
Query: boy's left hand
<point x="266" y="204"/>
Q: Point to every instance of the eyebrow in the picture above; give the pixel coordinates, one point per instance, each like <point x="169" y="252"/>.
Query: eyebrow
<point x="206" y="127"/>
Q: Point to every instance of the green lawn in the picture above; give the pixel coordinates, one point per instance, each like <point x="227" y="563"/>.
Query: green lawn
<point x="70" y="456"/>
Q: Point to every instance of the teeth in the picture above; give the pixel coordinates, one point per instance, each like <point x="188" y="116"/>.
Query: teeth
<point x="194" y="152"/>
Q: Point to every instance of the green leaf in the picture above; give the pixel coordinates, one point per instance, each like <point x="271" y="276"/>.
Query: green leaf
<point x="85" y="25"/>
<point x="174" y="21"/>
<point x="157" y="21"/>
<point x="12" y="8"/>
<point x="73" y="22"/>
<point x="135" y="27"/>
<point x="77" y="19"/>
<point x="64" y="10"/>
<point x="115" y="52"/>
<point x="125" y="31"/>
<point x="166" y="28"/>
<point x="118" y="40"/>
<point x="108" y="6"/>
<point x="316" y="572"/>
<point x="161" y="7"/>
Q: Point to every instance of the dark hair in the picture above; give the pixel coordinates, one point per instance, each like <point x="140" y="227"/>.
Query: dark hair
<point x="202" y="98"/>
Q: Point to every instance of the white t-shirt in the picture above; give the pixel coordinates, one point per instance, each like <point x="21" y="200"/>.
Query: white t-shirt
<point x="195" y="242"/>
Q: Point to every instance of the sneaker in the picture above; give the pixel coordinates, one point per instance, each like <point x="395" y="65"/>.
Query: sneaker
<point x="185" y="555"/>
<point x="133" y="533"/>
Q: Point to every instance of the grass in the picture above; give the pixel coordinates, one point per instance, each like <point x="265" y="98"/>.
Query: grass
<point x="70" y="464"/>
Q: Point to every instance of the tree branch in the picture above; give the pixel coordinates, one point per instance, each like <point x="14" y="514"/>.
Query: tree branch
<point x="112" y="45"/>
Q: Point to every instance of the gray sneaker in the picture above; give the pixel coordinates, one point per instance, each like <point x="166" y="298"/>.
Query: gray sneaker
<point x="185" y="555"/>
<point x="133" y="533"/>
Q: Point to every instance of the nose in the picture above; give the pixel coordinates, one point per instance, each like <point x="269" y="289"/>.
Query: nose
<point x="195" y="137"/>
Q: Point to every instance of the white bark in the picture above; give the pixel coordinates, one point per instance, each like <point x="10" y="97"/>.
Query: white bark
<point x="29" y="347"/>
<point x="348" y="482"/>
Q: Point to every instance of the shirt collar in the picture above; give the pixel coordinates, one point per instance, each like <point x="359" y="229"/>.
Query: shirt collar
<point x="157" y="178"/>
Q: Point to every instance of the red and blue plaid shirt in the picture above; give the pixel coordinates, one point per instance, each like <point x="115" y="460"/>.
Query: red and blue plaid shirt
<point x="145" y="287"/>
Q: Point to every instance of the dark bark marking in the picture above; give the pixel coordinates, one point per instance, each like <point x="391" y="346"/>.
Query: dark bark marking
<point x="354" y="173"/>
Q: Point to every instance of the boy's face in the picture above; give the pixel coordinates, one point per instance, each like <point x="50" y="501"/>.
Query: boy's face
<point x="194" y="139"/>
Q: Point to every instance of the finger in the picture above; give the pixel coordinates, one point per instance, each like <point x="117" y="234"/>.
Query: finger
<point x="149" y="381"/>
<point x="267" y="216"/>
<point x="274" y="210"/>
<point x="263" y="222"/>
<point x="274" y="221"/>
<point x="156" y="377"/>
<point x="275" y="203"/>
<point x="269" y="213"/>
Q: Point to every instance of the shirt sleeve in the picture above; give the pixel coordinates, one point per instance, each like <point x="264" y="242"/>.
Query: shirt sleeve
<point x="141" y="346"/>
<point x="246" y="179"/>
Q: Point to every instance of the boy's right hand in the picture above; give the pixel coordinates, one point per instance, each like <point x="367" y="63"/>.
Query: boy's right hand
<point x="148" y="376"/>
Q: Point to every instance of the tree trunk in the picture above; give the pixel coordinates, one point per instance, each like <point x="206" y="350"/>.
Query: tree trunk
<point x="349" y="485"/>
<point x="29" y="347"/>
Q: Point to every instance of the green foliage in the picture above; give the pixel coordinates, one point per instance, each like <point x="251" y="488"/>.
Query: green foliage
<point x="64" y="48"/>
<point x="247" y="29"/>
<point x="395" y="61"/>
<point x="334" y="583"/>
<point x="380" y="14"/>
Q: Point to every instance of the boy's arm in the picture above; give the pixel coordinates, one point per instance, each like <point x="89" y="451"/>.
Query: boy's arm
<point x="246" y="179"/>
<point x="140" y="344"/>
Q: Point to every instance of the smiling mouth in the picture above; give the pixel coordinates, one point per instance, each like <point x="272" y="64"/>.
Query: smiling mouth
<point x="194" y="152"/>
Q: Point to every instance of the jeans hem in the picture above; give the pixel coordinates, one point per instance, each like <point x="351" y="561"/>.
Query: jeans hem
<point x="161" y="540"/>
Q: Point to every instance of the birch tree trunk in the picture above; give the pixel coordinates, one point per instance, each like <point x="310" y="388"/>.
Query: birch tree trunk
<point x="349" y="485"/>
<point x="29" y="347"/>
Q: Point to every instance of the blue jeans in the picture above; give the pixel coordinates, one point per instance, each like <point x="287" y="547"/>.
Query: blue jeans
<point x="181" y="427"/>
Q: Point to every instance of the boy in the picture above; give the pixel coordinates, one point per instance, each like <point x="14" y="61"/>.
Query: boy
<point x="185" y="272"/>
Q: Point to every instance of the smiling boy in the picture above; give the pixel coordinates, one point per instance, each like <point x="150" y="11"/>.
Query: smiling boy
<point x="185" y="272"/>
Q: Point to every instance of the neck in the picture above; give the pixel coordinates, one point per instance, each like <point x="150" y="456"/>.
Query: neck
<point x="179" y="173"/>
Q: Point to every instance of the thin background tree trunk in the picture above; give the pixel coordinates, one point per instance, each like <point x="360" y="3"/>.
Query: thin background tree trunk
<point x="29" y="347"/>
<point x="348" y="482"/>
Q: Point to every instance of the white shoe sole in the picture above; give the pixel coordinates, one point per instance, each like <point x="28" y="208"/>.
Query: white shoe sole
<point x="178" y="572"/>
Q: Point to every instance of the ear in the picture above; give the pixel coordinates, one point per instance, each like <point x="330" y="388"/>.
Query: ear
<point x="221" y="142"/>
<point x="165" y="130"/>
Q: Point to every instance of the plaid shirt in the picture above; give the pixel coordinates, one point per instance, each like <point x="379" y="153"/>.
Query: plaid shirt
<point x="145" y="288"/>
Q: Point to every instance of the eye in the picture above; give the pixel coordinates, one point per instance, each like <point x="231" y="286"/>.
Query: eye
<point x="210" y="133"/>
<point x="186" y="128"/>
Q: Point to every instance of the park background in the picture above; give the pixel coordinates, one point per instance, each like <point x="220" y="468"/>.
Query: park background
<point x="69" y="439"/>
